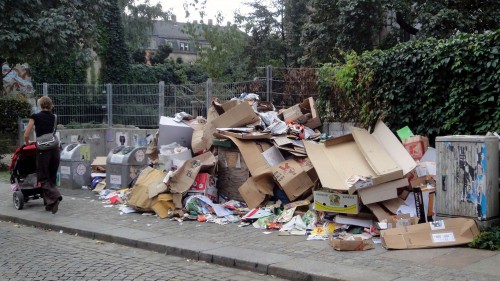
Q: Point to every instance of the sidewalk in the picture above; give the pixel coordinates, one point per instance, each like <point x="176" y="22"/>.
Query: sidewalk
<point x="291" y="257"/>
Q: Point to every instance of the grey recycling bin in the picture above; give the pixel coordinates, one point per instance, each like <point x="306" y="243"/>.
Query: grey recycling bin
<point x="124" y="164"/>
<point x="74" y="168"/>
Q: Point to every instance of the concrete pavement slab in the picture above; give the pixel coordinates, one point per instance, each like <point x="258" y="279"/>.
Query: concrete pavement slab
<point x="308" y="269"/>
<point x="245" y="258"/>
<point x="462" y="257"/>
<point x="182" y="247"/>
<point x="416" y="255"/>
<point x="488" y="266"/>
<point x="124" y="235"/>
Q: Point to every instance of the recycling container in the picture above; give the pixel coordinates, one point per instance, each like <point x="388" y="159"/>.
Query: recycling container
<point x="74" y="168"/>
<point x="123" y="164"/>
<point x="467" y="176"/>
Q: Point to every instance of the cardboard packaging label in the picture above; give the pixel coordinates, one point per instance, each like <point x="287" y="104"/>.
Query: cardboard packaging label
<point x="443" y="233"/>
<point x="336" y="202"/>
<point x="204" y="184"/>
<point x="416" y="146"/>
<point x="292" y="178"/>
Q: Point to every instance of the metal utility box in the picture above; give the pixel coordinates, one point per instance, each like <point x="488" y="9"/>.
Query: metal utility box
<point x="467" y="176"/>
<point x="74" y="168"/>
<point x="123" y="164"/>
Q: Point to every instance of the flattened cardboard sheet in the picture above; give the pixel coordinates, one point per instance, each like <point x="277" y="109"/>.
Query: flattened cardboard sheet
<point x="444" y="233"/>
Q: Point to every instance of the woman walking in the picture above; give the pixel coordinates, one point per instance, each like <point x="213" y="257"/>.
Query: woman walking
<point x="47" y="159"/>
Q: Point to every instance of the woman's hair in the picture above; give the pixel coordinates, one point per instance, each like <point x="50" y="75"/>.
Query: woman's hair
<point x="45" y="103"/>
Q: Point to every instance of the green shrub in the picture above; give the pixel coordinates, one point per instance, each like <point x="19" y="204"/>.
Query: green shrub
<point x="487" y="239"/>
<point x="436" y="87"/>
<point x="11" y="109"/>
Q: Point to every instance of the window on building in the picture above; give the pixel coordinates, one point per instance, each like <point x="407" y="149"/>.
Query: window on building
<point x="183" y="46"/>
<point x="169" y="43"/>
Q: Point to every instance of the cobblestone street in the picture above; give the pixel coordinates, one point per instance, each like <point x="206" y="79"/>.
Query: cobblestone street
<point x="30" y="253"/>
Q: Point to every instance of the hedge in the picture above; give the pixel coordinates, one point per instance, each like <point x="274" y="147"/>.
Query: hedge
<point x="436" y="87"/>
<point x="11" y="108"/>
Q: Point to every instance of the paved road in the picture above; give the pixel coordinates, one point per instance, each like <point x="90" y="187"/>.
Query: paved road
<point x="29" y="253"/>
<point x="290" y="257"/>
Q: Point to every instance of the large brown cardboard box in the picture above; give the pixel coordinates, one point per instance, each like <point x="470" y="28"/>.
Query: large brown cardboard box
<point x="379" y="156"/>
<point x="139" y="196"/>
<point x="443" y="233"/>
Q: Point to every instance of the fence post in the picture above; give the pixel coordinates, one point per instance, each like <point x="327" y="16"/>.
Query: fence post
<point x="109" y="97"/>
<point x="161" y="99"/>
<point x="208" y="100"/>
<point x="45" y="89"/>
<point x="269" y="81"/>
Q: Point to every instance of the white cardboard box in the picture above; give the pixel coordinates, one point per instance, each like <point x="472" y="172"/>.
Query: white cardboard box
<point x="171" y="131"/>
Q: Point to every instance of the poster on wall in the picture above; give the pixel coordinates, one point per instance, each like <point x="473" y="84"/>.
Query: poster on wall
<point x="17" y="80"/>
<point x="122" y="138"/>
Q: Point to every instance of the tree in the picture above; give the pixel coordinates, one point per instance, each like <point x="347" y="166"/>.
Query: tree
<point x="223" y="58"/>
<point x="113" y="51"/>
<point x="138" y="20"/>
<point x="296" y="16"/>
<point x="341" y="24"/>
<point x="441" y="19"/>
<point x="266" y="28"/>
<point x="161" y="54"/>
<point x="36" y="31"/>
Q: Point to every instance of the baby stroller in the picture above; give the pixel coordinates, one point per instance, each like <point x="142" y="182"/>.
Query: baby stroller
<point x="23" y="175"/>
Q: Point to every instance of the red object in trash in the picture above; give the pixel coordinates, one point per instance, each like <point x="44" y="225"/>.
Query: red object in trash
<point x="114" y="199"/>
<point x="201" y="218"/>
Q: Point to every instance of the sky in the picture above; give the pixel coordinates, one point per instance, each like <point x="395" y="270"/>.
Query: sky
<point x="227" y="7"/>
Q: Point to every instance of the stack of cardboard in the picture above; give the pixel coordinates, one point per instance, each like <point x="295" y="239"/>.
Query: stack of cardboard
<point x="261" y="154"/>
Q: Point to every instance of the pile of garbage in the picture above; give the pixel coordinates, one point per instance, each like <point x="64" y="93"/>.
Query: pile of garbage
<point x="248" y="163"/>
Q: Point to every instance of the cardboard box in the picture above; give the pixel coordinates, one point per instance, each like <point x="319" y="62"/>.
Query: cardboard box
<point x="416" y="146"/>
<point x="232" y="170"/>
<point x="378" y="156"/>
<point x="99" y="164"/>
<point x="392" y="221"/>
<point x="204" y="184"/>
<point x="450" y="232"/>
<point x="139" y="197"/>
<point x="183" y="178"/>
<point x="256" y="190"/>
<point x="308" y="106"/>
<point x="292" y="178"/>
<point x="238" y="116"/>
<point x="173" y="161"/>
<point x="424" y="203"/>
<point x="336" y="202"/>
<point x="385" y="209"/>
<point x="352" y="245"/>
<point x="252" y="153"/>
<point x="162" y="204"/>
<point x="171" y="131"/>
<point x="381" y="192"/>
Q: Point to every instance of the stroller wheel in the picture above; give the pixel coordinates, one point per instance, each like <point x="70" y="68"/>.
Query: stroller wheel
<point x="18" y="199"/>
